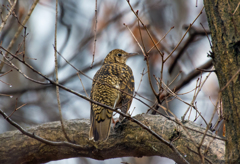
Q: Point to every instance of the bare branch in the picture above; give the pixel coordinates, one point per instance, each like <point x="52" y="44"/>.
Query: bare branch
<point x="56" y="74"/>
<point x="95" y="33"/>
<point x="183" y="36"/>
<point x="19" y="30"/>
<point x="7" y="16"/>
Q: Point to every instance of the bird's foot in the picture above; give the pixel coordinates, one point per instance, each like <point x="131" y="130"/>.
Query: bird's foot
<point x="118" y="126"/>
<point x="115" y="123"/>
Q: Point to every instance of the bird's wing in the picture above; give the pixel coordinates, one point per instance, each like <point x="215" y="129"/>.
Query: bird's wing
<point x="127" y="85"/>
<point x="103" y="92"/>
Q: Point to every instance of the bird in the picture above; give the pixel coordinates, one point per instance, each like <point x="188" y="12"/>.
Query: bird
<point x="113" y="85"/>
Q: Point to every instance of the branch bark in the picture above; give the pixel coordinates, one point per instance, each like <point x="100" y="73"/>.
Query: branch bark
<point x="224" y="26"/>
<point x="127" y="139"/>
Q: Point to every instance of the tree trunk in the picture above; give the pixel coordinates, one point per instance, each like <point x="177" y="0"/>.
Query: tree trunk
<point x="225" y="31"/>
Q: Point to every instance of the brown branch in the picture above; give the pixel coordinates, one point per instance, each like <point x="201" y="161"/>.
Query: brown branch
<point x="230" y="80"/>
<point x="7" y="16"/>
<point x="206" y="130"/>
<point x="95" y="33"/>
<point x="183" y="49"/>
<point x="183" y="36"/>
<point x="195" y="97"/>
<point x="86" y="39"/>
<point x="56" y="74"/>
<point x="161" y="39"/>
<point x="150" y="36"/>
<point x="146" y="56"/>
<point x="19" y="30"/>
<point x="192" y="75"/>
<point x="126" y="138"/>
<point x="27" y="77"/>
<point x="42" y="87"/>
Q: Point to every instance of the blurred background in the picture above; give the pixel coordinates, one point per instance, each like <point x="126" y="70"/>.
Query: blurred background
<point x="75" y="42"/>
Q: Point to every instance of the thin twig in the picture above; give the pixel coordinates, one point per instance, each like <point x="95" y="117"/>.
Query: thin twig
<point x="135" y="13"/>
<point x="27" y="77"/>
<point x="197" y="154"/>
<point x="56" y="75"/>
<point x="205" y="70"/>
<point x="236" y="8"/>
<point x="183" y="36"/>
<point x="19" y="30"/>
<point x="82" y="84"/>
<point x="193" y="100"/>
<point x="140" y="81"/>
<point x="173" y="94"/>
<point x="16" y="110"/>
<point x="195" y="96"/>
<point x="146" y="56"/>
<point x="6" y="95"/>
<point x="175" y="78"/>
<point x="6" y="83"/>
<point x="230" y="80"/>
<point x="72" y="65"/>
<point x="161" y="39"/>
<point x="32" y="135"/>
<point x="6" y="73"/>
<point x="208" y="126"/>
<point x="206" y="33"/>
<point x="186" y="92"/>
<point x="193" y="33"/>
<point x="95" y="33"/>
<point x="196" y="2"/>
<point x="7" y="16"/>
<point x="141" y="36"/>
<point x="188" y="78"/>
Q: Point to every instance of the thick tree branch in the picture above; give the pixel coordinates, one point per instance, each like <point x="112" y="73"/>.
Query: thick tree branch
<point x="225" y="33"/>
<point x="128" y="139"/>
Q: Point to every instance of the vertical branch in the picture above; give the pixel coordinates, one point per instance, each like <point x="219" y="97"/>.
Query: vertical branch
<point x="195" y="95"/>
<point x="82" y="84"/>
<point x="161" y="77"/>
<point x="141" y="36"/>
<point x="19" y="31"/>
<point x="150" y="36"/>
<point x="146" y="56"/>
<point x="206" y="130"/>
<point x="95" y="33"/>
<point x="155" y="93"/>
<point x="24" y="43"/>
<point x="56" y="72"/>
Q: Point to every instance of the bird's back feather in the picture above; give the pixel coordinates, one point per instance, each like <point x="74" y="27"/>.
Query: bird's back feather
<point x="113" y="85"/>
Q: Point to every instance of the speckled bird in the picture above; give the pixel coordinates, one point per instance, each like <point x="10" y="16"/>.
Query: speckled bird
<point x="116" y="74"/>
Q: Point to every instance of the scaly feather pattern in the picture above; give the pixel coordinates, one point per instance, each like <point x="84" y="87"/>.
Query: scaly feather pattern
<point x="113" y="85"/>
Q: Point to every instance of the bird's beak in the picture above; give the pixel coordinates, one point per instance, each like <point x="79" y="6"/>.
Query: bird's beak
<point x="132" y="54"/>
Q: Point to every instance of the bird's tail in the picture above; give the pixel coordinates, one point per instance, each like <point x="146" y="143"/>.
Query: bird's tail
<point x="99" y="131"/>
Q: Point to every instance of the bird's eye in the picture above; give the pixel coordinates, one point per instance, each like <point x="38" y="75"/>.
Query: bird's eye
<point x="119" y="55"/>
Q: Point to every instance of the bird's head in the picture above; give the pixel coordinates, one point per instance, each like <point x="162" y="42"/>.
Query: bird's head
<point x="117" y="56"/>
